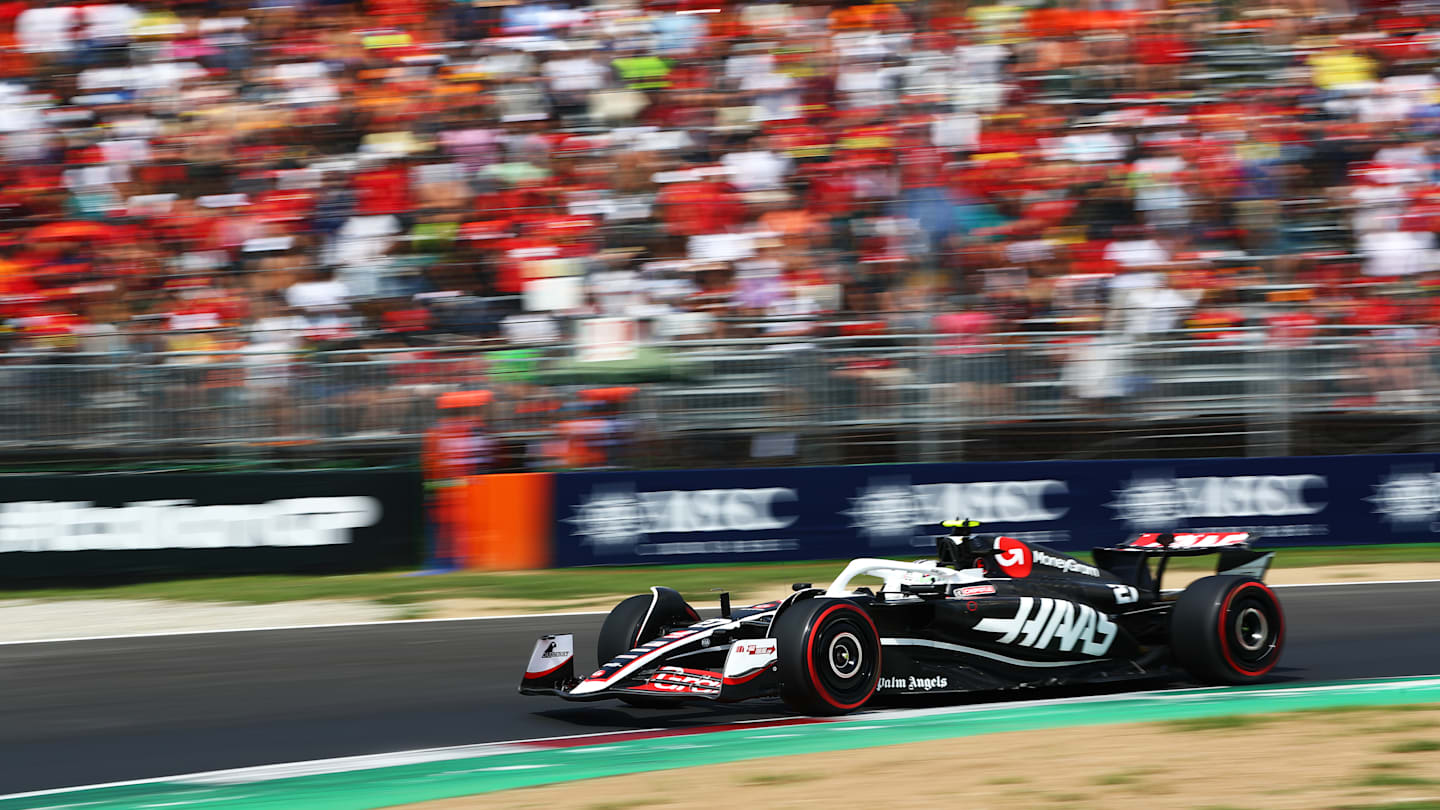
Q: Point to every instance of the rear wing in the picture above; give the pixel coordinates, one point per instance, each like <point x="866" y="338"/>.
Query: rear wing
<point x="1130" y="562"/>
<point x="1203" y="541"/>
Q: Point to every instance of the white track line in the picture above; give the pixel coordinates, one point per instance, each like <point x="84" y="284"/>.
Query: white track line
<point x="1344" y="584"/>
<point x="393" y="622"/>
<point x="365" y="761"/>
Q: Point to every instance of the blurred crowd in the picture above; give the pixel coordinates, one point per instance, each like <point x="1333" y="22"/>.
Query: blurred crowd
<point x="269" y="176"/>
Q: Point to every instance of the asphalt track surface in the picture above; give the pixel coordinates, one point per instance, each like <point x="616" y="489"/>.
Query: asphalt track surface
<point x="84" y="712"/>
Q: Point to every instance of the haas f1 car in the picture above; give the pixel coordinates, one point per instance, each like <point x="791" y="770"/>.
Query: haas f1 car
<point x="988" y="613"/>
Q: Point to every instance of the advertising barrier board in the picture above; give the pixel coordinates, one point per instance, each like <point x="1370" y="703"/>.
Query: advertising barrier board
<point x="61" y="527"/>
<point x="704" y="516"/>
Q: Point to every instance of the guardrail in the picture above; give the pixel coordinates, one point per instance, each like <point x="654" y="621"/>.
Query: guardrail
<point x="890" y="397"/>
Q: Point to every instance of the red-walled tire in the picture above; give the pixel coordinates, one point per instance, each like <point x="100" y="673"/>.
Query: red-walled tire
<point x="1227" y="630"/>
<point x="621" y="632"/>
<point x="829" y="656"/>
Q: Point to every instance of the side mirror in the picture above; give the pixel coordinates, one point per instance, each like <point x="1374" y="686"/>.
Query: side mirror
<point x="800" y="586"/>
<point x="724" y="602"/>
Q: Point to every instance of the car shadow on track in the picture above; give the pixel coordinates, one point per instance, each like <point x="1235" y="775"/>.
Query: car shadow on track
<point x="683" y="716"/>
<point x="693" y="715"/>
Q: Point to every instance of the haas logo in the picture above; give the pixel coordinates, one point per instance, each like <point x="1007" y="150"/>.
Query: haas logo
<point x="1013" y="557"/>
<point x="1044" y="623"/>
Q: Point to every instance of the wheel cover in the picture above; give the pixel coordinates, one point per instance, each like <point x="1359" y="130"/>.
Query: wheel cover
<point x="846" y="655"/>
<point x="1251" y="629"/>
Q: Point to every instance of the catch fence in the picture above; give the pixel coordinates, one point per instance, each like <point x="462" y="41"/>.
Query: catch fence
<point x="833" y="399"/>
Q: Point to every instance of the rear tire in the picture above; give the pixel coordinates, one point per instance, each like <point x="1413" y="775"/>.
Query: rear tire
<point x="829" y="656"/>
<point x="621" y="633"/>
<point x="1227" y="630"/>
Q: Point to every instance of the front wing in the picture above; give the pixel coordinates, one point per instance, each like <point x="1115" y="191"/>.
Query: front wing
<point x="748" y="672"/>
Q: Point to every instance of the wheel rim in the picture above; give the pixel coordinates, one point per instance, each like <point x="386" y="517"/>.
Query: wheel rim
<point x="1254" y="632"/>
<point x="1252" y="629"/>
<point x="846" y="656"/>
<point x="844" y="661"/>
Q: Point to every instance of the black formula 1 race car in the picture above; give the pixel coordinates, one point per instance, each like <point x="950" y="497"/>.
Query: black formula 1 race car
<point x="989" y="613"/>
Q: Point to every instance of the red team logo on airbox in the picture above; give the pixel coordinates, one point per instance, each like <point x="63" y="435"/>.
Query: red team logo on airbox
<point x="1013" y="556"/>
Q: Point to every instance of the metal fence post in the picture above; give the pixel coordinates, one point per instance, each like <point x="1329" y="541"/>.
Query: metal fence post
<point x="1268" y="406"/>
<point x="925" y="410"/>
<point x="1283" y="367"/>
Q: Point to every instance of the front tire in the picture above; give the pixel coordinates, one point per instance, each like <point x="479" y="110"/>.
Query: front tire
<point x="829" y="656"/>
<point x="620" y="633"/>
<point x="1227" y="630"/>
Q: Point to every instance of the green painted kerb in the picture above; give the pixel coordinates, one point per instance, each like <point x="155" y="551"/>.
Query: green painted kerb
<point x="401" y="784"/>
